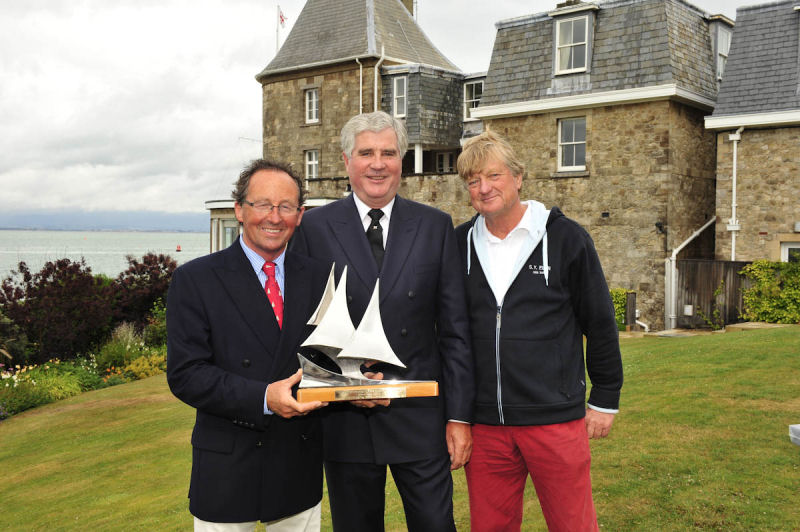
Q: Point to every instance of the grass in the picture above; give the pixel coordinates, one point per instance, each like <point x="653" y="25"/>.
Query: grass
<point x="701" y="443"/>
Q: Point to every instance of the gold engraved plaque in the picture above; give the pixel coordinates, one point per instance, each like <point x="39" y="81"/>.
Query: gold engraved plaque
<point x="355" y="394"/>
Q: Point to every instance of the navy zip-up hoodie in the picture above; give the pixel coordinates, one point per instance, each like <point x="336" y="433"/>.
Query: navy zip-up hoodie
<point x="528" y="349"/>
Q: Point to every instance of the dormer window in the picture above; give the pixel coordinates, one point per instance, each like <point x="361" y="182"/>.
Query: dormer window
<point x="473" y="91"/>
<point x="572" y="45"/>
<point x="723" y="46"/>
<point x="399" y="96"/>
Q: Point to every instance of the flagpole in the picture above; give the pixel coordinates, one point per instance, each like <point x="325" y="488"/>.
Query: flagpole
<point x="277" y="27"/>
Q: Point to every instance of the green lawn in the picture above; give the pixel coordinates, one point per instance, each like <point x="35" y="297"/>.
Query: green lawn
<point x="701" y="444"/>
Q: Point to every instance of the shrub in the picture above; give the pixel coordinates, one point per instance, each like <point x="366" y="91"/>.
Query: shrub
<point x="774" y="295"/>
<point x="124" y="346"/>
<point x="27" y="387"/>
<point x="63" y="310"/>
<point x="619" y="296"/>
<point x="155" y="332"/>
<point x="152" y="363"/>
<point x="138" y="288"/>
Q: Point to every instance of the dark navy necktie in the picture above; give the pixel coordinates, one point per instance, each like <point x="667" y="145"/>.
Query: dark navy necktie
<point x="375" y="236"/>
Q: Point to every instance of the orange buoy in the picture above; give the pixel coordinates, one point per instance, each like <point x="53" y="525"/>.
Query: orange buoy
<point x="178" y="248"/>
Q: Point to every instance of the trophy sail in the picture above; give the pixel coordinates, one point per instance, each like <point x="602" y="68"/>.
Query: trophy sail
<point x="335" y="328"/>
<point x="369" y="339"/>
<point x="325" y="301"/>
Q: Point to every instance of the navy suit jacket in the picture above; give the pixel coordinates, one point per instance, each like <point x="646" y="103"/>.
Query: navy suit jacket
<point x="424" y="312"/>
<point x="224" y="347"/>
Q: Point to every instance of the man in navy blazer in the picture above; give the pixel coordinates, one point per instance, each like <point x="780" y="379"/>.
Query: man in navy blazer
<point x="423" y="308"/>
<point x="256" y="454"/>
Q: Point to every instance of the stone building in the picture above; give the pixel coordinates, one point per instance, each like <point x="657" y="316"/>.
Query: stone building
<point x="344" y="57"/>
<point x="606" y="104"/>
<point x="757" y="123"/>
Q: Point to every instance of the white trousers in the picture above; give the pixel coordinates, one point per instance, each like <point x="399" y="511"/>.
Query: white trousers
<point x="306" y="521"/>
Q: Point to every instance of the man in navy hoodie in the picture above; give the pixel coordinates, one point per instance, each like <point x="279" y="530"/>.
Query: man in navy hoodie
<point x="535" y="288"/>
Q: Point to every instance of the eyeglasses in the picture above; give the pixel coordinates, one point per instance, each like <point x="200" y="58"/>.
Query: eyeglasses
<point x="284" y="209"/>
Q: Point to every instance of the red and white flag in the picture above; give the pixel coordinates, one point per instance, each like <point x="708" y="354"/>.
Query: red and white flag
<point x="281" y="17"/>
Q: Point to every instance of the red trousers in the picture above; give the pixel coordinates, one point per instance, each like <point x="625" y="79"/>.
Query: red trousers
<point x="557" y="459"/>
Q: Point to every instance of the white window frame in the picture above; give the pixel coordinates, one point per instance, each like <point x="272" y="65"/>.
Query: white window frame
<point x="785" y="247"/>
<point x="400" y="101"/>
<point x="471" y="103"/>
<point x="573" y="44"/>
<point x="445" y="162"/>
<point x="312" y="106"/>
<point x="724" y="36"/>
<point x="312" y="164"/>
<point x="572" y="142"/>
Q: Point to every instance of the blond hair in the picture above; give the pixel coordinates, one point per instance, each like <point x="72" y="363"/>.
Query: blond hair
<point x="478" y="150"/>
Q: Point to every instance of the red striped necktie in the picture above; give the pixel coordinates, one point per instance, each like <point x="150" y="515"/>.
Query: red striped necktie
<point x="273" y="292"/>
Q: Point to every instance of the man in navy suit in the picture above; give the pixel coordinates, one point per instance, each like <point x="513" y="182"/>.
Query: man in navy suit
<point x="256" y="454"/>
<point x="412" y="249"/>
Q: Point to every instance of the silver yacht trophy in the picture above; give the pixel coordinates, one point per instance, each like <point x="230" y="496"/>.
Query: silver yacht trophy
<point x="350" y="347"/>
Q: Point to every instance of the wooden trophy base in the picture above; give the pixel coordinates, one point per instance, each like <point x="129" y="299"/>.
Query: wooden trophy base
<point x="370" y="391"/>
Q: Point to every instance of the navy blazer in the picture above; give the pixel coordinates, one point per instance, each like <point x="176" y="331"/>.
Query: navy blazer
<point x="424" y="312"/>
<point x="223" y="347"/>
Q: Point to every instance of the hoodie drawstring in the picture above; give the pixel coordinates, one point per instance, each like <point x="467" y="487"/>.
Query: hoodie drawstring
<point x="469" y="247"/>
<point x="545" y="266"/>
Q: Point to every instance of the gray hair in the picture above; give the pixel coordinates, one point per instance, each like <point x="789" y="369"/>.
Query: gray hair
<point x="375" y="122"/>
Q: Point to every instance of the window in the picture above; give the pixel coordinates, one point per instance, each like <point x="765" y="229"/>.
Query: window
<point x="230" y="230"/>
<point x="312" y="106"/>
<point x="572" y="144"/>
<point x="444" y="162"/>
<point x="399" y="96"/>
<point x="473" y="90"/>
<point x="312" y="164"/>
<point x="723" y="46"/>
<point x="790" y="251"/>
<point x="571" y="45"/>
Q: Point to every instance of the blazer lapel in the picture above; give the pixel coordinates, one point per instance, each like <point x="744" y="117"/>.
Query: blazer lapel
<point x="296" y="311"/>
<point x="241" y="283"/>
<point x="345" y="226"/>
<point x="403" y="228"/>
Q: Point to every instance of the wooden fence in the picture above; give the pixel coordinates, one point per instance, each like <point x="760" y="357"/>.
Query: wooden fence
<point x="697" y="281"/>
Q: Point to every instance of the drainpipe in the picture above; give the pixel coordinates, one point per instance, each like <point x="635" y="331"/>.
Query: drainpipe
<point x="360" y="86"/>
<point x="673" y="274"/>
<point x="733" y="223"/>
<point x="377" y="76"/>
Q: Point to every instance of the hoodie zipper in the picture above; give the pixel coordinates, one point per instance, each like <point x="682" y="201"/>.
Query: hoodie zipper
<point x="497" y="363"/>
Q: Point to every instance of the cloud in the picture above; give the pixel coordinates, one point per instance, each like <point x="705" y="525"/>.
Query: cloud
<point x="139" y="105"/>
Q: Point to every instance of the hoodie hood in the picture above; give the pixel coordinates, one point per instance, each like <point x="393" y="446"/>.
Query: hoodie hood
<point x="536" y="220"/>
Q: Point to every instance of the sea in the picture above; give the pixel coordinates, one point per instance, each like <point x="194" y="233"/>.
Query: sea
<point x="103" y="251"/>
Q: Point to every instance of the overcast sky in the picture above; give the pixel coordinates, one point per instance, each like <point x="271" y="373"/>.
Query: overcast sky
<point x="153" y="104"/>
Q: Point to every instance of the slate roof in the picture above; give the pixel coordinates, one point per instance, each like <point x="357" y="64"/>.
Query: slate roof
<point x="329" y="31"/>
<point x="763" y="69"/>
<point x="637" y="43"/>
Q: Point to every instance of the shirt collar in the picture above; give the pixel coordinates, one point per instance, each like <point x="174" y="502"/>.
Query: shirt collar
<point x="257" y="261"/>
<point x="524" y="224"/>
<point x="363" y="208"/>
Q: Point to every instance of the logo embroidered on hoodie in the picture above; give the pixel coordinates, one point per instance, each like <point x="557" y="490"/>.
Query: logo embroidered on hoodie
<point x="537" y="270"/>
